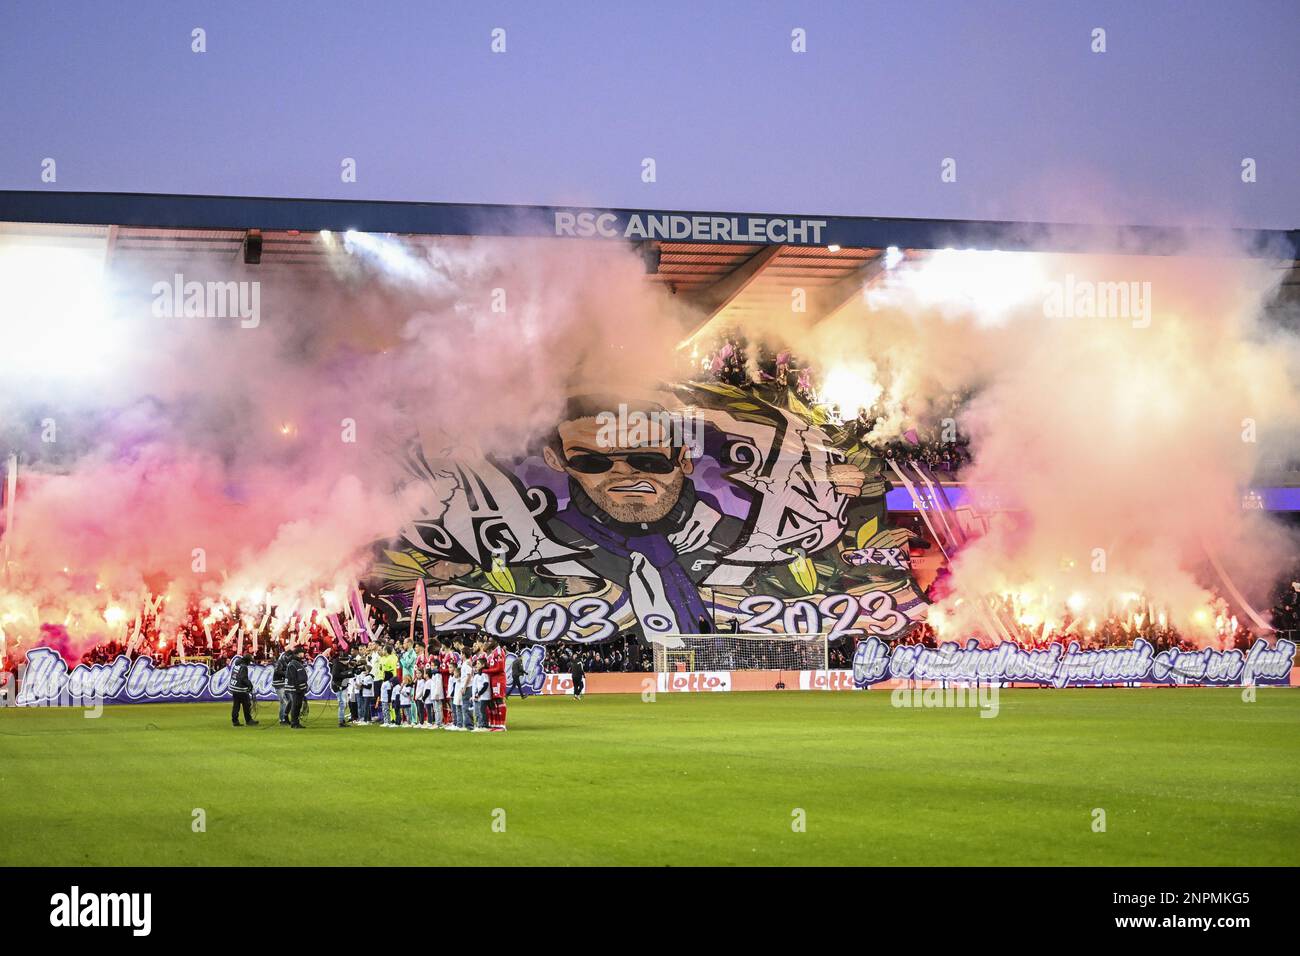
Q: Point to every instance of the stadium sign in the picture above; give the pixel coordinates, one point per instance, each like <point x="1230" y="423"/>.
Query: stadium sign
<point x="688" y="227"/>
<point x="826" y="680"/>
<point x="1072" y="666"/>
<point x="689" y="682"/>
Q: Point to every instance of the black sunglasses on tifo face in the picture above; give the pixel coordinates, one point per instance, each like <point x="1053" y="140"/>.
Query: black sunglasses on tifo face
<point x="597" y="463"/>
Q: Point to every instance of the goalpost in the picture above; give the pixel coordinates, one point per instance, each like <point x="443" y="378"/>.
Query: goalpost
<point x="740" y="652"/>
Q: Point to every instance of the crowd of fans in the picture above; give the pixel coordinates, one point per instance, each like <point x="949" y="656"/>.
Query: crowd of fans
<point x="214" y="635"/>
<point x="217" y="636"/>
<point x="1286" y="608"/>
<point x="625" y="653"/>
<point x="735" y="361"/>
<point x="628" y="653"/>
<point x="931" y="439"/>
<point x="1112" y="632"/>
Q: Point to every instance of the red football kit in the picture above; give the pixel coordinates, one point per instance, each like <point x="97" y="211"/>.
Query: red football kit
<point x="495" y="668"/>
<point x="446" y="667"/>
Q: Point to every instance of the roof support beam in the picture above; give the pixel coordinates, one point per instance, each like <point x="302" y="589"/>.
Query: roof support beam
<point x="110" y="245"/>
<point x="715" y="297"/>
<point x="831" y="299"/>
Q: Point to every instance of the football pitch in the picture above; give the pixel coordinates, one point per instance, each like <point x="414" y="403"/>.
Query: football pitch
<point x="1182" y="776"/>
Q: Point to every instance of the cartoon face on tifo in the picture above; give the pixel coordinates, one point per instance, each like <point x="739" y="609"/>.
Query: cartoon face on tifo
<point x="671" y="515"/>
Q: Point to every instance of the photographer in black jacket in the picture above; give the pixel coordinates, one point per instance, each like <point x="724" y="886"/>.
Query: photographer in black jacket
<point x="241" y="691"/>
<point x="295" y="686"/>
<point x="516" y="676"/>
<point x="579" y="675"/>
<point x="341" y="671"/>
<point x="277" y="682"/>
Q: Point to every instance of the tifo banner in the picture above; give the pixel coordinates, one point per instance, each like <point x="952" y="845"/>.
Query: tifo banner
<point x="698" y="507"/>
<point x="47" y="679"/>
<point x="1071" y="666"/>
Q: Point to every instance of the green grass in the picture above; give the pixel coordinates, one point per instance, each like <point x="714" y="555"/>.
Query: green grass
<point x="1184" y="776"/>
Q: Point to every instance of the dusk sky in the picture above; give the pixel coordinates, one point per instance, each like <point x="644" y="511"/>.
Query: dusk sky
<point x="1153" y="130"/>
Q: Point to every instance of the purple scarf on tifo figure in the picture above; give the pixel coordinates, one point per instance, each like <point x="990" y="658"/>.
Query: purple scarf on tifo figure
<point x="663" y="596"/>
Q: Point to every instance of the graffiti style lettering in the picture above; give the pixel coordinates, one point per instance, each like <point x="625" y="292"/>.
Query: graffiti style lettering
<point x="1058" y="666"/>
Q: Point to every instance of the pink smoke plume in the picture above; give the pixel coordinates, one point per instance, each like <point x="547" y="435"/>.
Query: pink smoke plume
<point x="1121" y="442"/>
<point x="201" y="457"/>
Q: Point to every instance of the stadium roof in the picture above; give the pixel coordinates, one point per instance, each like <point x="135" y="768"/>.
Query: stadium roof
<point x="271" y="214"/>
<point x="729" y="264"/>
<point x="726" y="280"/>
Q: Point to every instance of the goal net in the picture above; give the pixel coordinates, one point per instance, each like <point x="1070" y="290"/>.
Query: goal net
<point x="739" y="652"/>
